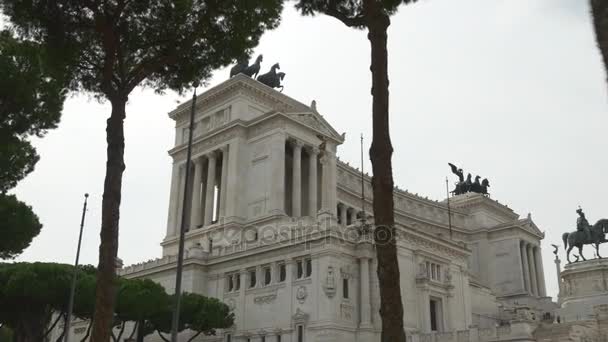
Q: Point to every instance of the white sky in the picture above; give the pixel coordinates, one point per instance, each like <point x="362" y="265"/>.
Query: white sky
<point x="512" y="90"/>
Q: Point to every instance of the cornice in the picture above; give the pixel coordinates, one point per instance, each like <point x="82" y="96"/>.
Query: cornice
<point x="226" y="88"/>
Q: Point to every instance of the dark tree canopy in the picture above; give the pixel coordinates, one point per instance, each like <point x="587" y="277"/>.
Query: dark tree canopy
<point x="599" y="13"/>
<point x="31" y="100"/>
<point x="112" y="46"/>
<point x="18" y="226"/>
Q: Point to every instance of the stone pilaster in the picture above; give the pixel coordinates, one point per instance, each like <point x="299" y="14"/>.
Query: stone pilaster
<point x="296" y="189"/>
<point x="196" y="209"/>
<point x="539" y="272"/>
<point x="364" y="285"/>
<point x="210" y="185"/>
<point x="312" y="182"/>
<point x="532" y="268"/>
<point x="180" y="198"/>
<point x="525" y="269"/>
<point x="277" y="176"/>
<point x="173" y="201"/>
<point x="224" y="181"/>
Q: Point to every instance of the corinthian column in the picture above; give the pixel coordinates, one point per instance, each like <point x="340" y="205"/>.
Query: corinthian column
<point x="540" y="275"/>
<point x="212" y="157"/>
<point x="173" y="201"/>
<point x="296" y="199"/>
<point x="524" y="264"/>
<point x="277" y="174"/>
<point x="196" y="210"/>
<point x="532" y="268"/>
<point x="224" y="181"/>
<point x="312" y="182"/>
<point x="366" y="307"/>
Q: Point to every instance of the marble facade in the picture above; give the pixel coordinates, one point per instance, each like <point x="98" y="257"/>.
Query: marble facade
<point x="273" y="220"/>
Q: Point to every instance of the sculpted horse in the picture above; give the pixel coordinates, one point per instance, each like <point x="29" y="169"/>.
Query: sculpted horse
<point x="579" y="238"/>
<point x="243" y="67"/>
<point x="485" y="184"/>
<point x="272" y="78"/>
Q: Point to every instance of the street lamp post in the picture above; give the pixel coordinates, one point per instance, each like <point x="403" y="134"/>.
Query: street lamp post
<point x="182" y="231"/>
<point x="68" y="318"/>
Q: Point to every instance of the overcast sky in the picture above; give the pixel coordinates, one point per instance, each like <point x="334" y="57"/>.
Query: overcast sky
<point x="512" y="90"/>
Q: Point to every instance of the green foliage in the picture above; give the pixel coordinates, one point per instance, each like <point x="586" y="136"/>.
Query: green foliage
<point x="197" y="313"/>
<point x="18" y="226"/>
<point x="6" y="334"/>
<point x="352" y="13"/>
<point x="113" y="46"/>
<point x="139" y="299"/>
<point x="31" y="100"/>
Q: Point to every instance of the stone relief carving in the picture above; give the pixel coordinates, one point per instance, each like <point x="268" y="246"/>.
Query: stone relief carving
<point x="299" y="317"/>
<point x="329" y="284"/>
<point x="346" y="311"/>
<point x="347" y="272"/>
<point x="301" y="294"/>
<point x="265" y="299"/>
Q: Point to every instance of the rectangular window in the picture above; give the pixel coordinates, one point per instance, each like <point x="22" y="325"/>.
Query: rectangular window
<point x="230" y="283"/>
<point x="263" y="339"/>
<point x="433" y="308"/>
<point x="345" y="288"/>
<point x="299" y="269"/>
<point x="282" y="272"/>
<point x="300" y="333"/>
<point x="436" y="314"/>
<point x="228" y="338"/>
<point x="267" y="276"/>
<point x="438" y="273"/>
<point x="278" y="338"/>
<point x="252" y="279"/>
<point x="308" y="267"/>
<point x="237" y="281"/>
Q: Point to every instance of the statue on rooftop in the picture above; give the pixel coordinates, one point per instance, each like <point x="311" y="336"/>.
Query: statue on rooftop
<point x="463" y="186"/>
<point x="242" y="67"/>
<point x="585" y="234"/>
<point x="273" y="78"/>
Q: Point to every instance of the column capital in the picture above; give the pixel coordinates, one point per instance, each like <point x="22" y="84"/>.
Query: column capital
<point x="224" y="148"/>
<point x="212" y="154"/>
<point x="296" y="142"/>
<point x="313" y="150"/>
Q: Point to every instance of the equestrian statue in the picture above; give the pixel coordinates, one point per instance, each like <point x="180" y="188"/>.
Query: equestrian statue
<point x="463" y="186"/>
<point x="242" y="67"/>
<point x="585" y="234"/>
<point x="272" y="78"/>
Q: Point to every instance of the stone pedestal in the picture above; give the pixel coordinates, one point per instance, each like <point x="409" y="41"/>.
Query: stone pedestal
<point x="584" y="285"/>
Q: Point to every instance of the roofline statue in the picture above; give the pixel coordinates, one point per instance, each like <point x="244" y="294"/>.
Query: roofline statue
<point x="463" y="186"/>
<point x="585" y="234"/>
<point x="242" y="67"/>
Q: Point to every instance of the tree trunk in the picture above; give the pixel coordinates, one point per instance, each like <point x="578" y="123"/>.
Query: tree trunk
<point x="105" y="292"/>
<point x="391" y="307"/>
<point x="599" y="12"/>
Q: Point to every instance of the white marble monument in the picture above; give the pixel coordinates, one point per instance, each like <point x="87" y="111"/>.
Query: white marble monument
<point x="273" y="220"/>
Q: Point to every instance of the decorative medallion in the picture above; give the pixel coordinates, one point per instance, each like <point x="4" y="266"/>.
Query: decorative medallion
<point x="301" y="294"/>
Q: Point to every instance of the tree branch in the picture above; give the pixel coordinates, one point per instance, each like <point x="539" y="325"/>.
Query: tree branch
<point x="356" y="21"/>
<point x="161" y="335"/>
<point x="195" y="336"/>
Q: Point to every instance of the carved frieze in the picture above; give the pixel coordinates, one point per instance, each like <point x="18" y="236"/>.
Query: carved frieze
<point x="266" y="299"/>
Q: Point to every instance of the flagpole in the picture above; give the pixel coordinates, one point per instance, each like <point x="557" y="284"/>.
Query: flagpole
<point x="447" y="190"/>
<point x="68" y="318"/>
<point x="182" y="231"/>
<point x="363" y="215"/>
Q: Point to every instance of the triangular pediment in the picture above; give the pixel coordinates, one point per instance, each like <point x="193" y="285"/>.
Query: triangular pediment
<point x="241" y="85"/>
<point x="263" y="98"/>
<point x="316" y="122"/>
